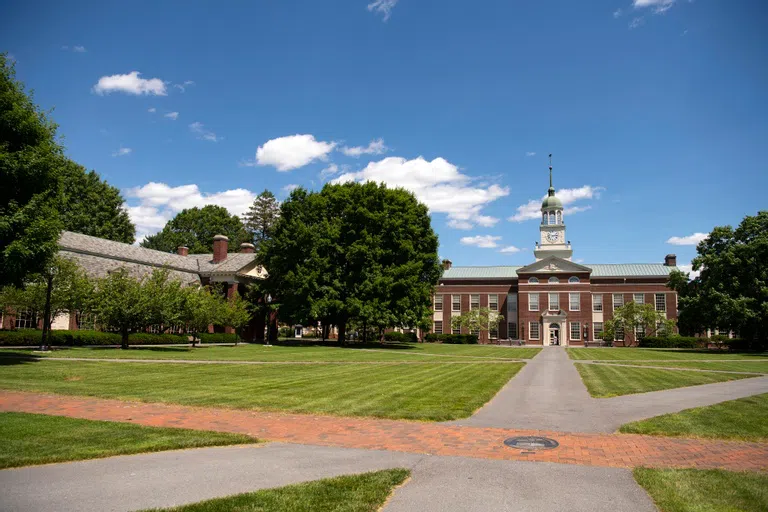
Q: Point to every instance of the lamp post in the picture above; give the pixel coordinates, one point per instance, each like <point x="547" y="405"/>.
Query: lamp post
<point x="269" y="317"/>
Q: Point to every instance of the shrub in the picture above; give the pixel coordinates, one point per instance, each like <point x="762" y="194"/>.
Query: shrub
<point x="146" y="338"/>
<point x="743" y="344"/>
<point x="453" y="339"/>
<point x="402" y="337"/>
<point x="285" y="332"/>
<point x="33" y="337"/>
<point x="672" y="342"/>
<point x="219" y="337"/>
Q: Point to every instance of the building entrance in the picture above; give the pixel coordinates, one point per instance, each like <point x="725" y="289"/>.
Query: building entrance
<point x="554" y="334"/>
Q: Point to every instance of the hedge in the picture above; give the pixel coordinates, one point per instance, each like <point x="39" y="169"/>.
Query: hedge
<point x="219" y="337"/>
<point x="402" y="337"/>
<point x="33" y="337"/>
<point x="672" y="342"/>
<point x="453" y="339"/>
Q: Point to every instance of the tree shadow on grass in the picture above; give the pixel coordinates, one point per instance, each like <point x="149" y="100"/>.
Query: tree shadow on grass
<point x="350" y="344"/>
<point x="10" y="359"/>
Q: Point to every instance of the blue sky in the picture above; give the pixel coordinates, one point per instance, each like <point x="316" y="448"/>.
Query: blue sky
<point x="655" y="110"/>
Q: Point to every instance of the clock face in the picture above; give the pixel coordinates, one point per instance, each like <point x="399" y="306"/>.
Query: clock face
<point x="552" y="236"/>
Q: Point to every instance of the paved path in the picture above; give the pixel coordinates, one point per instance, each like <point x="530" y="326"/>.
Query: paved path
<point x="604" y="450"/>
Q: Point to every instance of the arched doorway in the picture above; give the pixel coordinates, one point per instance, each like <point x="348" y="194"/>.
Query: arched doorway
<point x="554" y="334"/>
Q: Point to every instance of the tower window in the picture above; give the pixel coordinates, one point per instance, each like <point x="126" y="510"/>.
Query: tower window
<point x="532" y="280"/>
<point x="551" y="217"/>
<point x="559" y="217"/>
<point x="554" y="280"/>
<point x="573" y="279"/>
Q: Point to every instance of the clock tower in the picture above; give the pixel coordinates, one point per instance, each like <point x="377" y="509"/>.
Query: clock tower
<point x="552" y="228"/>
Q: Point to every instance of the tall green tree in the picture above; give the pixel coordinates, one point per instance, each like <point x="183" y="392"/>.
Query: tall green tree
<point x="476" y="320"/>
<point x="353" y="251"/>
<point x="637" y="318"/>
<point x="91" y="206"/>
<point x="30" y="184"/>
<point x="262" y="217"/>
<point x="731" y="291"/>
<point x="196" y="227"/>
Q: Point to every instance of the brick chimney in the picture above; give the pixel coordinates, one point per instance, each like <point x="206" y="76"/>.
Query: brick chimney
<point x="447" y="264"/>
<point x="247" y="248"/>
<point x="220" y="246"/>
<point x="182" y="250"/>
<point x="670" y="260"/>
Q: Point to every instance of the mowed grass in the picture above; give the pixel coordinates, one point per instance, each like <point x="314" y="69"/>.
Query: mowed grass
<point x="29" y="439"/>
<point x="366" y="492"/>
<point x="604" y="381"/>
<point x="754" y="366"/>
<point x="691" y="490"/>
<point x="639" y="354"/>
<point x="426" y="391"/>
<point x="275" y="353"/>
<point x="745" y="419"/>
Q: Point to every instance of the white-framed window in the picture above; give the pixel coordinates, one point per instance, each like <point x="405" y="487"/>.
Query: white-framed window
<point x="512" y="330"/>
<point x="574" y="301"/>
<point x="575" y="331"/>
<point x="559" y="217"/>
<point x="438" y="328"/>
<point x="493" y="301"/>
<point x="512" y="303"/>
<point x="455" y="302"/>
<point x="618" y="300"/>
<point x="544" y="218"/>
<point x="638" y="298"/>
<point x="618" y="334"/>
<point x="639" y="332"/>
<point x="85" y="322"/>
<point x="25" y="319"/>
<point x="533" y="280"/>
<point x="573" y="279"/>
<point x="493" y="331"/>
<point x="597" y="302"/>
<point x="533" y="302"/>
<point x="474" y="301"/>
<point x="551" y="217"/>
<point x="661" y="302"/>
<point x="554" y="302"/>
<point x="438" y="302"/>
<point x="456" y="330"/>
<point x="476" y="332"/>
<point x="553" y="280"/>
<point x="533" y="330"/>
<point x="597" y="330"/>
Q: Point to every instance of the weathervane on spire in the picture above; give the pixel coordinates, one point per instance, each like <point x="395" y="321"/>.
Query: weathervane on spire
<point x="550" y="170"/>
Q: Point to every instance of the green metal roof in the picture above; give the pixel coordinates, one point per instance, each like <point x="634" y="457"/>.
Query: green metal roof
<point x="598" y="270"/>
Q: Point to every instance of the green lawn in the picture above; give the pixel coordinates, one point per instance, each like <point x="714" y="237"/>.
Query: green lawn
<point x="691" y="490"/>
<point x="745" y="419"/>
<point x="604" y="381"/>
<point x="366" y="492"/>
<point x="29" y="439"/>
<point x="383" y="352"/>
<point x="639" y="354"/>
<point x="426" y="391"/>
<point x="756" y="366"/>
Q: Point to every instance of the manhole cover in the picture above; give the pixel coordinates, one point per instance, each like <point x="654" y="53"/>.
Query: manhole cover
<point x="531" y="443"/>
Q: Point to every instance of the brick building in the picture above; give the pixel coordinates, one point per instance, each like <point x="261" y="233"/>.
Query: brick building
<point x="552" y="300"/>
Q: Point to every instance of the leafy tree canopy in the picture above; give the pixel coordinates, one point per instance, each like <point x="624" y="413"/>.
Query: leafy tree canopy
<point x="196" y="227"/>
<point x="731" y="291"/>
<point x="262" y="217"/>
<point x="353" y="251"/>
<point x="633" y="317"/>
<point x="30" y="183"/>
<point x="476" y="320"/>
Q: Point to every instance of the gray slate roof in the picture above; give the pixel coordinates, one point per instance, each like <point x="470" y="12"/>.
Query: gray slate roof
<point x="97" y="267"/>
<point x="598" y="270"/>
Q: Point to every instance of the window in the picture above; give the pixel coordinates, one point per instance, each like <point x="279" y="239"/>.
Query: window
<point x="533" y="302"/>
<point x="532" y="280"/>
<point x="438" y="302"/>
<point x="574" y="301"/>
<point x="618" y="334"/>
<point x="553" y="280"/>
<point x="438" y="329"/>
<point x="597" y="330"/>
<point x="533" y="330"/>
<point x="493" y="302"/>
<point x="597" y="303"/>
<point x="25" y="319"/>
<point x="573" y="279"/>
<point x="455" y="302"/>
<point x="551" y="217"/>
<point x="476" y="332"/>
<point x="559" y="217"/>
<point x="639" y="332"/>
<point x="554" y="302"/>
<point x="638" y="298"/>
<point x="661" y="302"/>
<point x="456" y="330"/>
<point x="544" y="218"/>
<point x="493" y="331"/>
<point x="512" y="330"/>
<point x="512" y="303"/>
<point x="575" y="331"/>
<point x="618" y="300"/>
<point x="85" y="322"/>
<point x="474" y="301"/>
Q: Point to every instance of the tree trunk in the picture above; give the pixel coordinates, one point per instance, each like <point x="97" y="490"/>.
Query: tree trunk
<point x="365" y="331"/>
<point x="47" y="315"/>
<point x="342" y="331"/>
<point x="124" y="339"/>
<point x="381" y="334"/>
<point x="324" y="334"/>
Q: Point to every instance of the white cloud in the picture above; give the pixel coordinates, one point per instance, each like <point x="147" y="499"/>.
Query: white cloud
<point x="375" y="147"/>
<point x="130" y="83"/>
<point x="483" y="241"/>
<point x="383" y="7"/>
<point x="79" y="49"/>
<point x="659" y="6"/>
<point x="636" y="22"/>
<point x="532" y="209"/>
<point x="693" y="239"/>
<point x="693" y="274"/>
<point x="511" y="249"/>
<point x="183" y="86"/>
<point x="289" y="188"/>
<point x="122" y="152"/>
<point x="172" y="115"/>
<point x="617" y="13"/>
<point x="152" y="110"/>
<point x="199" y="128"/>
<point x="438" y="184"/>
<point x="292" y="151"/>
<point x="530" y="153"/>
<point x="331" y="170"/>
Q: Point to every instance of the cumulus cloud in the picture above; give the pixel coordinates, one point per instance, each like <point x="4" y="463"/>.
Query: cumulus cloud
<point x="438" y="184"/>
<point x="483" y="241"/>
<point x="383" y="7"/>
<point x="122" y="152"/>
<point x="532" y="209"/>
<point x="331" y="170"/>
<point x="658" y="6"/>
<point x="693" y="239"/>
<point x="130" y="83"/>
<point x="510" y="249"/>
<point x="292" y="151"/>
<point x="152" y="110"/>
<point x="202" y="133"/>
<point x="375" y="147"/>
<point x="172" y="115"/>
<point x="290" y="188"/>
<point x="693" y="274"/>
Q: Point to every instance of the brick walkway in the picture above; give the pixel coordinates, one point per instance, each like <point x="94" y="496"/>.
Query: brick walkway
<point x="612" y="450"/>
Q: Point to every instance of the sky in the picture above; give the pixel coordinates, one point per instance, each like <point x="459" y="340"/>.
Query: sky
<point x="655" y="111"/>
